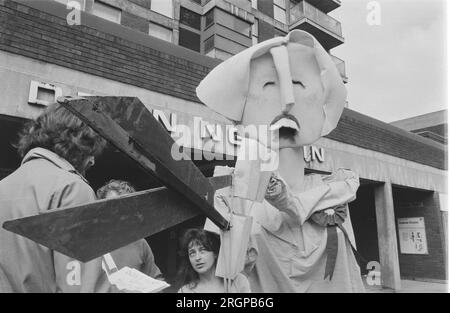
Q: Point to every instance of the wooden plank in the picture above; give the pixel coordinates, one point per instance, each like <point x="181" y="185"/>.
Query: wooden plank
<point x="88" y="231"/>
<point x="127" y="124"/>
<point x="219" y="182"/>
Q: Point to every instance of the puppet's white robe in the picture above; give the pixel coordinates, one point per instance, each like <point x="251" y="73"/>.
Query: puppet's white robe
<point x="291" y="248"/>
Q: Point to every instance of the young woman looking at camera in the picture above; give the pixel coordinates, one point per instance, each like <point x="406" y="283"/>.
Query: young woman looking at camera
<point x="199" y="251"/>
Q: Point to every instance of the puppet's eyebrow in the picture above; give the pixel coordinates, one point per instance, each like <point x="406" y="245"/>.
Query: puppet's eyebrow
<point x="269" y="83"/>
<point x="297" y="82"/>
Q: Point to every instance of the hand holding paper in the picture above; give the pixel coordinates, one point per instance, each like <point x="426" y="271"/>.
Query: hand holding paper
<point x="276" y="187"/>
<point x="129" y="279"/>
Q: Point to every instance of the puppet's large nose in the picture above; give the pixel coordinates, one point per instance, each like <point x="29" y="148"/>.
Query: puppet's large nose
<point x="281" y="61"/>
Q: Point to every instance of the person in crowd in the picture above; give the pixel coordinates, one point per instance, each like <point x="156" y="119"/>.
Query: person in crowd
<point x="57" y="148"/>
<point x="137" y="255"/>
<point x="199" y="251"/>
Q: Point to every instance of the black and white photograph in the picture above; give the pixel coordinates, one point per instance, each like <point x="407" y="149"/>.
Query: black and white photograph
<point x="232" y="150"/>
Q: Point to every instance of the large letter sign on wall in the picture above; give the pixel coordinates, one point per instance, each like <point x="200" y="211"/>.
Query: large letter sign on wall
<point x="412" y="236"/>
<point x="43" y="94"/>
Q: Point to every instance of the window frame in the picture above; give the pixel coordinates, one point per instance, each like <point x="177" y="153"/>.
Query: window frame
<point x="172" y="13"/>
<point x="161" y="27"/>
<point x="106" y="5"/>
<point x="280" y="8"/>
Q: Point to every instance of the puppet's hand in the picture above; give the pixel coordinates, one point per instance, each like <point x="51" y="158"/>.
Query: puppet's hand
<point x="276" y="187"/>
<point x="341" y="174"/>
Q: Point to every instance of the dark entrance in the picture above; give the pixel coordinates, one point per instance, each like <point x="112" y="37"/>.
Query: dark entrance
<point x="364" y="222"/>
<point x="9" y="129"/>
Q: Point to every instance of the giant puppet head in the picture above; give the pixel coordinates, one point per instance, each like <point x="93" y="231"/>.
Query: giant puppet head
<point x="289" y="83"/>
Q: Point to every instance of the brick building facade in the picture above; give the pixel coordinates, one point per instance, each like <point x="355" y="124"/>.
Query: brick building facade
<point x="403" y="175"/>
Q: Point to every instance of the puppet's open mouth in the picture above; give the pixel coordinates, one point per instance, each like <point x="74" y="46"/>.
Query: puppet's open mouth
<point x="287" y="125"/>
<point x="287" y="132"/>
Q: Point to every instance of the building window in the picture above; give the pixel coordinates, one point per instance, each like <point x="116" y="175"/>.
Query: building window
<point x="279" y="33"/>
<point x="209" y="44"/>
<point x="255" y="32"/>
<point x="164" y="7"/>
<point x="279" y="10"/>
<point x="242" y="27"/>
<point x="209" y="19"/>
<point x="232" y="22"/>
<point x="160" y="32"/>
<point x="81" y="2"/>
<point x="106" y="12"/>
<point x="189" y="18"/>
<point x="189" y="39"/>
<point x="219" y="54"/>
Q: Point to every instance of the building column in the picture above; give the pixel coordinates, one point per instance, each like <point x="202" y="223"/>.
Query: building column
<point x="387" y="236"/>
<point x="440" y="201"/>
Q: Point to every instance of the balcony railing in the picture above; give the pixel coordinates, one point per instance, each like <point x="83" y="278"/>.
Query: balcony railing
<point x="340" y="64"/>
<point x="305" y="10"/>
<point x="325" y="5"/>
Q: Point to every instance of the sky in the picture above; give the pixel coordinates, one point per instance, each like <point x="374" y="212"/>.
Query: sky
<point x="396" y="69"/>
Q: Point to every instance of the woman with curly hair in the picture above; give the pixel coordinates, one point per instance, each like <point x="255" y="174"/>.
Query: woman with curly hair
<point x="199" y="251"/>
<point x="57" y="149"/>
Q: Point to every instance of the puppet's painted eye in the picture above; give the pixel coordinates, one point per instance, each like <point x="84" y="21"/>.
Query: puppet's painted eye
<point x="297" y="82"/>
<point x="268" y="84"/>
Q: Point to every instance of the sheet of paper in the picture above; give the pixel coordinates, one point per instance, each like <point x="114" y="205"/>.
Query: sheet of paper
<point x="251" y="174"/>
<point x="131" y="280"/>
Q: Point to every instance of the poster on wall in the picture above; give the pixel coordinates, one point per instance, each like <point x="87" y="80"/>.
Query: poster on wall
<point x="411" y="234"/>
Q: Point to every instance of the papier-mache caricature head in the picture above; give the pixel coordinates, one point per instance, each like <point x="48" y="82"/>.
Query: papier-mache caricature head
<point x="290" y="83"/>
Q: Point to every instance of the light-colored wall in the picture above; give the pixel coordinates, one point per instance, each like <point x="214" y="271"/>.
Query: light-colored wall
<point x="380" y="167"/>
<point x="423" y="121"/>
<point x="17" y="72"/>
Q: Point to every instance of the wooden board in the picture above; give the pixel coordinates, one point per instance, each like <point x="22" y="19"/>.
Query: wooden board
<point x="91" y="230"/>
<point x="127" y="124"/>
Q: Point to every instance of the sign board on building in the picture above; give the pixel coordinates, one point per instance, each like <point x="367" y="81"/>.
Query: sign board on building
<point x="412" y="235"/>
<point x="43" y="94"/>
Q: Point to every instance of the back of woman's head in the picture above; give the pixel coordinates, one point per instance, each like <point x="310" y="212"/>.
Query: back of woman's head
<point x="195" y="237"/>
<point x="120" y="187"/>
<point x="61" y="132"/>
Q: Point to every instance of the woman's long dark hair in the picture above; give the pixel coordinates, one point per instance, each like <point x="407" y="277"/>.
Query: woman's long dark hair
<point x="210" y="241"/>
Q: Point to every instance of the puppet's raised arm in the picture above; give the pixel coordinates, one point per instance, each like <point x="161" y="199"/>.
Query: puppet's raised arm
<point x="339" y="188"/>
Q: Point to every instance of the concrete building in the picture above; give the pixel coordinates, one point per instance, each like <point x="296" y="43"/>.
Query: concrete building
<point x="219" y="28"/>
<point x="432" y="125"/>
<point x="397" y="215"/>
